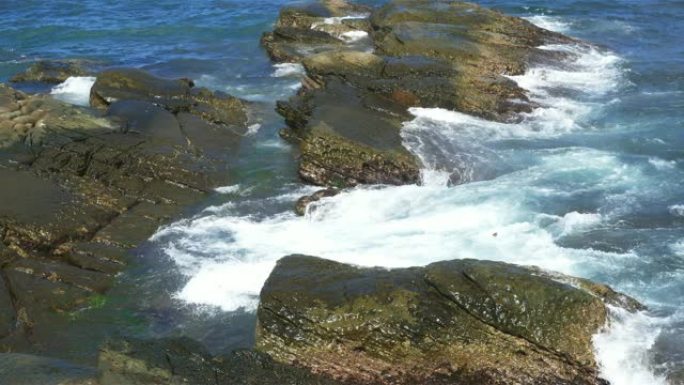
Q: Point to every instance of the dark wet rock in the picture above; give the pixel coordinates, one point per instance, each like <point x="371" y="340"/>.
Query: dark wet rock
<point x="304" y="202"/>
<point x="676" y="377"/>
<point x="55" y="71"/>
<point x="85" y="189"/>
<point x="183" y="361"/>
<point x="174" y="95"/>
<point x="313" y="27"/>
<point x="344" y="143"/>
<point x="287" y="44"/>
<point x="7" y="313"/>
<point x="23" y="369"/>
<point x="434" y="54"/>
<point x="454" y="322"/>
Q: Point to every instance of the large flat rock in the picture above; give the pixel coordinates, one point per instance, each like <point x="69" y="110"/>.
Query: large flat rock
<point x="453" y="322"/>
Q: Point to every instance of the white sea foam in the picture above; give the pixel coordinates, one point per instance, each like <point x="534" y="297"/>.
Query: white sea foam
<point x="338" y="19"/>
<point x="662" y="164"/>
<point x="552" y="23"/>
<point x="354" y="36"/>
<point x="678" y="247"/>
<point x="622" y="348"/>
<point x="677" y="210"/>
<point x="228" y="189"/>
<point x="253" y="129"/>
<point x="441" y="134"/>
<point x="573" y="222"/>
<point x="227" y="257"/>
<point x="392" y="226"/>
<point x="288" y="69"/>
<point x="74" y="90"/>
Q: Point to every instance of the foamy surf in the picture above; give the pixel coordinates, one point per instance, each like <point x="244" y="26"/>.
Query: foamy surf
<point x="74" y="90"/>
<point x="288" y="70"/>
<point x="622" y="348"/>
<point x="392" y="227"/>
<point x="552" y="23"/>
<point x="226" y="256"/>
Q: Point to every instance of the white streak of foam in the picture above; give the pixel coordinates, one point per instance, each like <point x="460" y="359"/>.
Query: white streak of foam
<point x="74" y="90"/>
<point x="338" y="19"/>
<point x="662" y="164"/>
<point x="552" y="23"/>
<point x="573" y="222"/>
<point x="228" y="189"/>
<point x="677" y="210"/>
<point x="354" y="36"/>
<point x="678" y="248"/>
<point x="288" y="69"/>
<point x="622" y="348"/>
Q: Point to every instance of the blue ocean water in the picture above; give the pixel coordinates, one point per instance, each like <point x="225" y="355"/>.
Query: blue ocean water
<point x="593" y="185"/>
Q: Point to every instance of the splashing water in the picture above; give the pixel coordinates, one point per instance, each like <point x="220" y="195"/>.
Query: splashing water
<point x="542" y="193"/>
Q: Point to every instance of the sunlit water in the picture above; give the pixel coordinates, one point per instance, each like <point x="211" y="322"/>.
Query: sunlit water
<point x="590" y="184"/>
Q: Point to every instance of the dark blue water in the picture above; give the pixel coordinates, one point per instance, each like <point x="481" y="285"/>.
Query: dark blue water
<point x="593" y="185"/>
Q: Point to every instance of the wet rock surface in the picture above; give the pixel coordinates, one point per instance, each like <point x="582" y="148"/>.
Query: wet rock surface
<point x="304" y="202"/>
<point x="434" y="54"/>
<point x="82" y="188"/>
<point x="183" y="361"/>
<point x="178" y="96"/>
<point x="24" y="369"/>
<point x="55" y="71"/>
<point x="453" y="322"/>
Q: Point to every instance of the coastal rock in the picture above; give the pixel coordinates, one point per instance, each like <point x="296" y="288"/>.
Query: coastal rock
<point x="30" y="119"/>
<point x="99" y="186"/>
<point x="454" y="322"/>
<point x="178" y="96"/>
<point x="304" y="202"/>
<point x="183" y="361"/>
<point x="314" y="27"/>
<point x="348" y="115"/>
<point x="55" y="71"/>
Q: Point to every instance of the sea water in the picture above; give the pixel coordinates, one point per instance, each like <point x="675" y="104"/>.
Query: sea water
<point x="590" y="184"/>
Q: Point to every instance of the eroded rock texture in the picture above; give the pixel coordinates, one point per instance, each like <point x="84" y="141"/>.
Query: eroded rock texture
<point x="453" y="322"/>
<point x="81" y="188"/>
<point x="347" y="117"/>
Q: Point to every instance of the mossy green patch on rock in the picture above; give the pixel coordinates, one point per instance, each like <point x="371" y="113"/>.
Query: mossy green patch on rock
<point x="461" y="321"/>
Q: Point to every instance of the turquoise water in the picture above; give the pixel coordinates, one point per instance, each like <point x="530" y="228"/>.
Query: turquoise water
<point x="591" y="185"/>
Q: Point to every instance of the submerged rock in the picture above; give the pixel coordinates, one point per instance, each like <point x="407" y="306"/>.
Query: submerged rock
<point x="433" y="54"/>
<point x="304" y="202"/>
<point x="454" y="322"/>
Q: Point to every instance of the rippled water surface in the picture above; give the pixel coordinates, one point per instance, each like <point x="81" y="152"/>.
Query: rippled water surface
<point x="591" y="184"/>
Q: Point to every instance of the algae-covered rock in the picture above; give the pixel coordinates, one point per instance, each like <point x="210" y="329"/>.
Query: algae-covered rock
<point x="454" y="322"/>
<point x="183" y="361"/>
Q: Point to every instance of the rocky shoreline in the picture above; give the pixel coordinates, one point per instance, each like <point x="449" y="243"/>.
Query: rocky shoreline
<point x="85" y="186"/>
